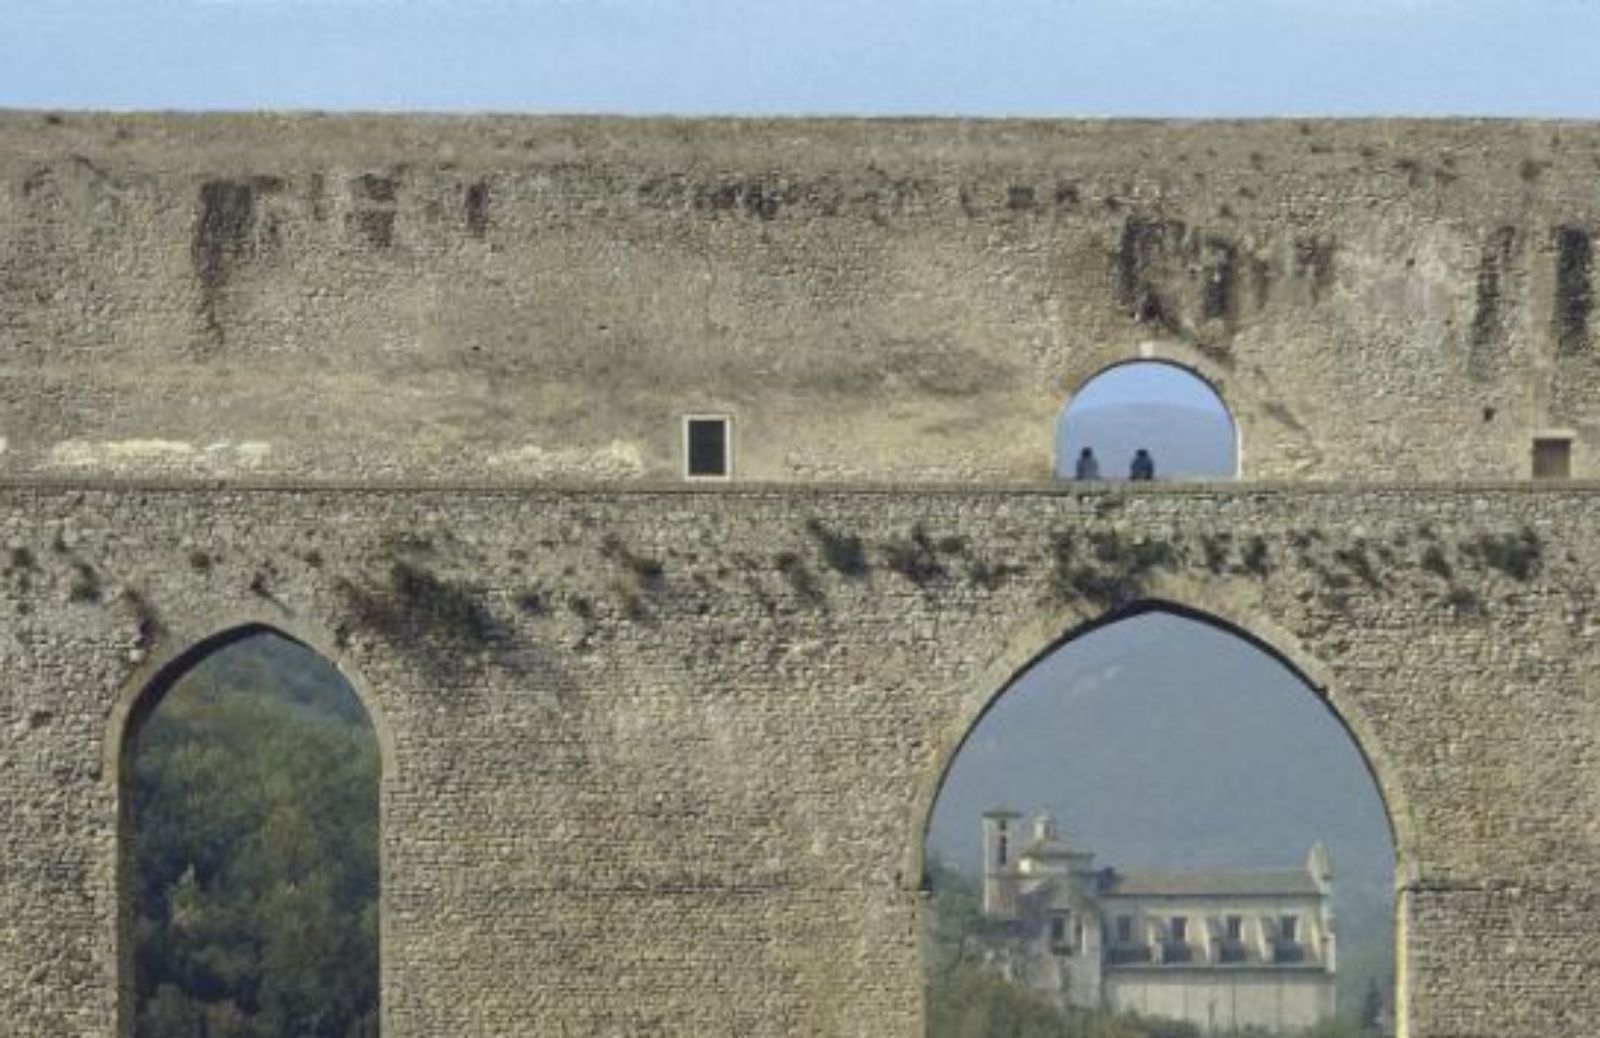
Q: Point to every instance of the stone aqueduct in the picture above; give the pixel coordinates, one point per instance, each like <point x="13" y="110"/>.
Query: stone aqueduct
<point x="410" y="390"/>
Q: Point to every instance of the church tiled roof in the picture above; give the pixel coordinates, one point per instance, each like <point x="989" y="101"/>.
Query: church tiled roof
<point x="1238" y="883"/>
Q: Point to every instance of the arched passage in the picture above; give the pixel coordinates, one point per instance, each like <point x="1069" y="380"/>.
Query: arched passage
<point x="1164" y="409"/>
<point x="1192" y="794"/>
<point x="250" y="772"/>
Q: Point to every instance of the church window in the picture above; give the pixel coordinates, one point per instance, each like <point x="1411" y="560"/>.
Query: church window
<point x="706" y="448"/>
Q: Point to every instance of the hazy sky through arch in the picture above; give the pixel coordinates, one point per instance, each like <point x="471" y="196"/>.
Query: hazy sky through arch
<point x="1183" y="58"/>
<point x="1151" y="405"/>
<point x="1145" y="736"/>
<point x="1162" y="742"/>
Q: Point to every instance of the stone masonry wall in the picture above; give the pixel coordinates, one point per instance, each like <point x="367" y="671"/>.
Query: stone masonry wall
<point x="493" y="298"/>
<point x="658" y="761"/>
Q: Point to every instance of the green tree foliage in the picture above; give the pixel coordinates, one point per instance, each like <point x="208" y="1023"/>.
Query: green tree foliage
<point x="971" y="1002"/>
<point x="254" y="807"/>
<point x="957" y="927"/>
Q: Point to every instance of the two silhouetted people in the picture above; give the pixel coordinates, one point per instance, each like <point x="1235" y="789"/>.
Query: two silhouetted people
<point x="1143" y="466"/>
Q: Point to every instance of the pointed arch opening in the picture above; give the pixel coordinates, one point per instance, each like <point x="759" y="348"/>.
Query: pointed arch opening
<point x="1146" y="419"/>
<point x="1159" y="824"/>
<point x="250" y="773"/>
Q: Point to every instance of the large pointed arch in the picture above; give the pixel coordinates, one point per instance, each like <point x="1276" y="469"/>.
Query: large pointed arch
<point x="1056" y="629"/>
<point x="138" y="699"/>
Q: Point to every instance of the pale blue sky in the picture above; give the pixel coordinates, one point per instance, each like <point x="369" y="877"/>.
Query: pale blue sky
<point x="1147" y="382"/>
<point x="1160" y="407"/>
<point x="1023" y="57"/>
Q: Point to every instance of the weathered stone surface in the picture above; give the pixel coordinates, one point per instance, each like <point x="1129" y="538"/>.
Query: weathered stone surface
<point x="495" y="298"/>
<point x="644" y="749"/>
<point x="644" y="745"/>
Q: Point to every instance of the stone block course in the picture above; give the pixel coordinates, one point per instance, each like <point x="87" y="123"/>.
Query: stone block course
<point x="642" y="778"/>
<point x="504" y="298"/>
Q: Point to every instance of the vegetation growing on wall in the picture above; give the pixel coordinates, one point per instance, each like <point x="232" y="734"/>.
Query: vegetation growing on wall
<point x="419" y="593"/>
<point x="841" y="551"/>
<point x="443" y="624"/>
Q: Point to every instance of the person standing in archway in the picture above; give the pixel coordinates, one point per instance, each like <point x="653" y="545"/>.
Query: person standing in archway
<point x="1143" y="467"/>
<point x="1088" y="464"/>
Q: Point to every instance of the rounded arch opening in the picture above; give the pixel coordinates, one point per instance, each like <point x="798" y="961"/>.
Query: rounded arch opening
<point x="250" y="768"/>
<point x="1147" y="419"/>
<point x="1119" y="767"/>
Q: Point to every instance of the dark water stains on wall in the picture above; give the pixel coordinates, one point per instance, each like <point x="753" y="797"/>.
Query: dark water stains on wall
<point x="317" y="196"/>
<point x="1185" y="281"/>
<point x="877" y="195"/>
<point x="1574" y="297"/>
<point x="1411" y="168"/>
<point x="761" y="199"/>
<point x="227" y="213"/>
<point x="226" y="231"/>
<point x="1489" y="318"/>
<point x="1143" y="241"/>
<point x="376" y="226"/>
<point x="477" y="208"/>
<point x="1221" y="296"/>
<point x="373" y="217"/>
<point x="1313" y="263"/>
<point x="372" y="187"/>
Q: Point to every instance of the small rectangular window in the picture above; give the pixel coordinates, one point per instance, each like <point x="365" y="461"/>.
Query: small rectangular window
<point x="1180" y="930"/>
<point x="1552" y="457"/>
<point x="1124" y="929"/>
<point x="1058" y="929"/>
<point x="1235" y="928"/>
<point x="1288" y="929"/>
<point x="1000" y="852"/>
<point x="707" y="450"/>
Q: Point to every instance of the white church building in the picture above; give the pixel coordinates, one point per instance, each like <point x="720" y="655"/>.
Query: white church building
<point x="1221" y="949"/>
